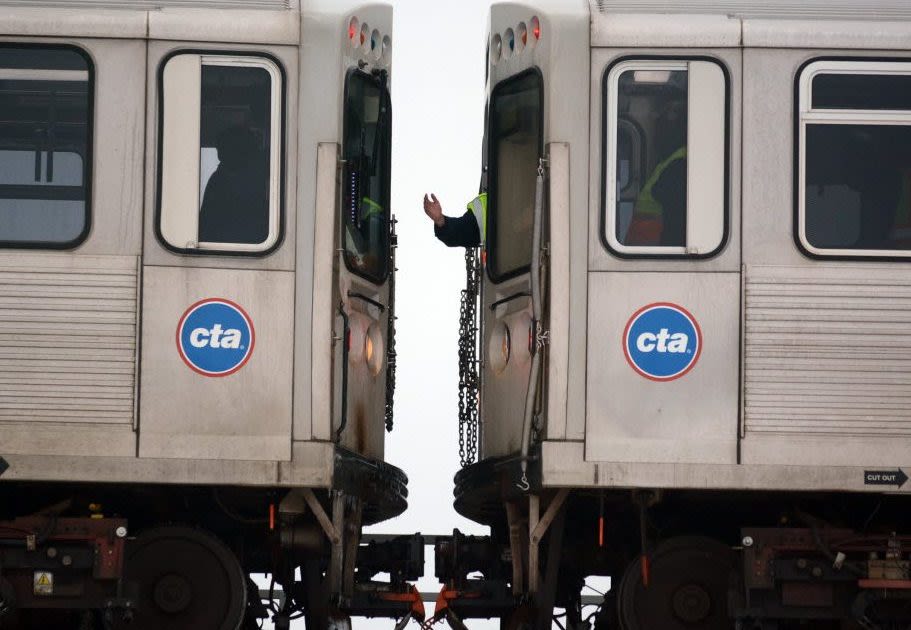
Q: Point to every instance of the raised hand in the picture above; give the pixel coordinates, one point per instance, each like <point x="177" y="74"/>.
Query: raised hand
<point x="433" y="209"/>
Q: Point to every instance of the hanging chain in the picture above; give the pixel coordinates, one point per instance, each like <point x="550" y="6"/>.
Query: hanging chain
<point x="468" y="359"/>
<point x="390" y="327"/>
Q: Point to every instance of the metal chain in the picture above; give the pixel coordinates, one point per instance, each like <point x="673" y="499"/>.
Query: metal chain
<point x="468" y="359"/>
<point x="390" y="327"/>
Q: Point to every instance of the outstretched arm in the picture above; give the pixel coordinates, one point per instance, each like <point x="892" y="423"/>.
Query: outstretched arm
<point x="452" y="231"/>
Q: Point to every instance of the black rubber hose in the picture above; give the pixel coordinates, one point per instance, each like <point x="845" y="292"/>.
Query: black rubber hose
<point x="345" y="341"/>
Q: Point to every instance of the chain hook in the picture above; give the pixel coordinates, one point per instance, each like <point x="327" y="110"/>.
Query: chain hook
<point x="523" y="484"/>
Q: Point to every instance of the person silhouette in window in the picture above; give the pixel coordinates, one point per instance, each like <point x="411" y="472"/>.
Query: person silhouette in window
<point x="659" y="216"/>
<point x="235" y="205"/>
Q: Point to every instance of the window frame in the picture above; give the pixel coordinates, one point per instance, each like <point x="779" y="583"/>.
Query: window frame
<point x="88" y="171"/>
<point x="805" y="114"/>
<point x="387" y="211"/>
<point x="607" y="218"/>
<point x="277" y="131"/>
<point x="491" y="227"/>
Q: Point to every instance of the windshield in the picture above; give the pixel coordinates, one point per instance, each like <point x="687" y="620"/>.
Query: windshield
<point x="366" y="150"/>
<point x="515" y="145"/>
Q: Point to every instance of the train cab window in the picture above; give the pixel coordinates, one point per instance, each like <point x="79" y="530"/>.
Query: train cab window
<point x="220" y="155"/>
<point x="665" y="157"/>
<point x="854" y="196"/>
<point x="515" y="145"/>
<point x="45" y="146"/>
<point x="366" y="149"/>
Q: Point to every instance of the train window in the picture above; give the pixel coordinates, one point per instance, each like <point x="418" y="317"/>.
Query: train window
<point x="45" y="146"/>
<point x="366" y="149"/>
<point x="854" y="196"/>
<point x="515" y="144"/>
<point x="221" y="153"/>
<point x="665" y="157"/>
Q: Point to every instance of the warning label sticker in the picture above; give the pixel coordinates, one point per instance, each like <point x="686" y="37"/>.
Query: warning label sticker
<point x="44" y="583"/>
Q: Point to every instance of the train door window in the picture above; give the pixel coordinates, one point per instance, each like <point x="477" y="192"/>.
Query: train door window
<point x="221" y="153"/>
<point x="665" y="176"/>
<point x="45" y="146"/>
<point x="366" y="149"/>
<point x="515" y="144"/>
<point x="854" y="159"/>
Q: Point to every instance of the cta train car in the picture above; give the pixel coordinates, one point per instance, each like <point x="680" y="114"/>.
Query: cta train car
<point x="694" y="299"/>
<point x="196" y="312"/>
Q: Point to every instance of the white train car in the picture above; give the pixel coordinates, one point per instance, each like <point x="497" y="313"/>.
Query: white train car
<point x="694" y="367"/>
<point x="196" y="309"/>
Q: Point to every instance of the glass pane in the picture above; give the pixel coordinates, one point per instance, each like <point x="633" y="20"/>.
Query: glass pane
<point x="366" y="150"/>
<point x="858" y="187"/>
<point x="862" y="91"/>
<point x="44" y="140"/>
<point x="516" y="138"/>
<point x="235" y="132"/>
<point x="651" y="158"/>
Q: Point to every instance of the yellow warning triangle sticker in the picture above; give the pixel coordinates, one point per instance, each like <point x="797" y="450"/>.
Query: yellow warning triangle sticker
<point x="43" y="580"/>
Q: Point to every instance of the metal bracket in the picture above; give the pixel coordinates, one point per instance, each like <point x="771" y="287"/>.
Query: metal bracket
<point x="537" y="527"/>
<point x="325" y="522"/>
<point x="513" y="518"/>
<point x="544" y="524"/>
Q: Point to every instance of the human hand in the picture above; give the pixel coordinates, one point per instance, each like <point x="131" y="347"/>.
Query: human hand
<point x="434" y="210"/>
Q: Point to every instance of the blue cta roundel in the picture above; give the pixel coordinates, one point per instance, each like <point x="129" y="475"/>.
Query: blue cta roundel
<point x="215" y="337"/>
<point x="662" y="341"/>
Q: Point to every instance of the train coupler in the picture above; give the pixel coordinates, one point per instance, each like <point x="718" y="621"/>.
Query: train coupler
<point x="402" y="558"/>
<point x="464" y="597"/>
<point x="378" y="599"/>
<point x="475" y="599"/>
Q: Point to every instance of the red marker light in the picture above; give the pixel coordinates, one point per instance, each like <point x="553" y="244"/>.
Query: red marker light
<point x="536" y="27"/>
<point x="352" y="28"/>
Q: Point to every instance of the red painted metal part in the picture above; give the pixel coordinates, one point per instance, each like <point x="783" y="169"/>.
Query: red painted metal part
<point x="85" y="556"/>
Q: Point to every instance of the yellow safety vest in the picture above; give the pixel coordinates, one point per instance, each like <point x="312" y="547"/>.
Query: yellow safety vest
<point x="373" y="208"/>
<point x="478" y="207"/>
<point x="646" y="202"/>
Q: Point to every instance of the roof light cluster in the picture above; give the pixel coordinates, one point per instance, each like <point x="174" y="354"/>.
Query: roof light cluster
<point x="514" y="41"/>
<point x="369" y="43"/>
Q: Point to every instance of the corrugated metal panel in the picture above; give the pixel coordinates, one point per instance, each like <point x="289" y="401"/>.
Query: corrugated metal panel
<point x="828" y="351"/>
<point x="275" y="5"/>
<point x="68" y="338"/>
<point x="767" y="9"/>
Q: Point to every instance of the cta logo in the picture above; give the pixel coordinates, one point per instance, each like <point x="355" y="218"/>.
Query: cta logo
<point x="215" y="337"/>
<point x="662" y="341"/>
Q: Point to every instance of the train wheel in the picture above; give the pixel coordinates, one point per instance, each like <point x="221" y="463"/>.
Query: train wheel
<point x="187" y="580"/>
<point x="687" y="590"/>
